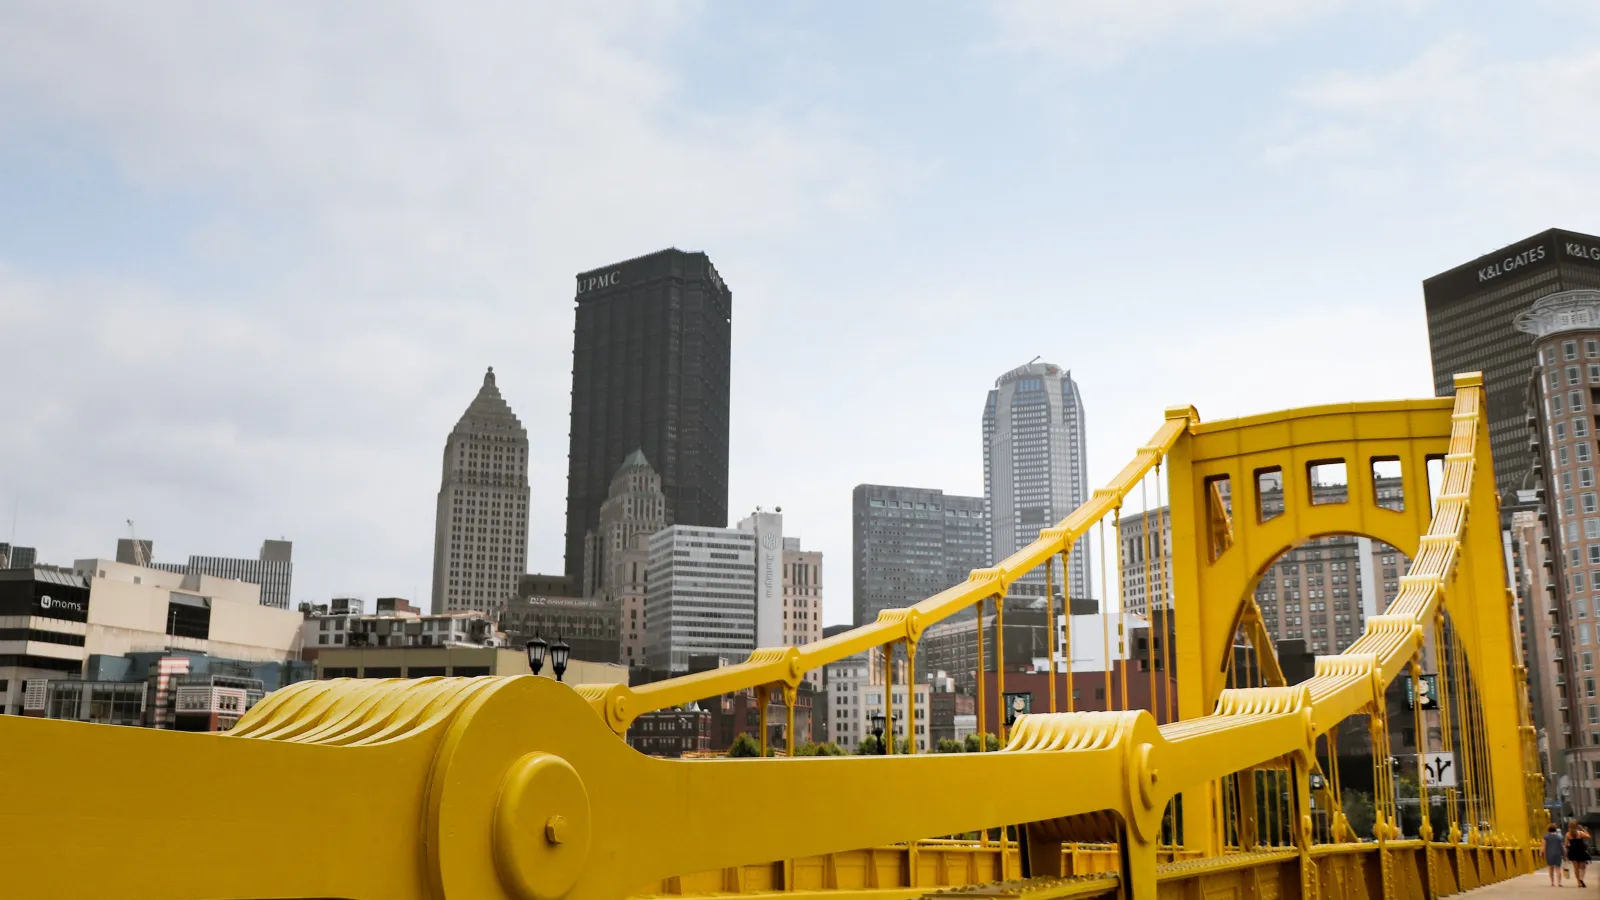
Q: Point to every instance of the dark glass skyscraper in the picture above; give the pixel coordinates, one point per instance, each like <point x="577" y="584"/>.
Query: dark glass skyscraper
<point x="1471" y="309"/>
<point x="650" y="366"/>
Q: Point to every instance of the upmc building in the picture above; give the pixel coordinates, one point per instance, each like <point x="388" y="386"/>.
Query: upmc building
<point x="651" y="354"/>
<point x="1471" y="309"/>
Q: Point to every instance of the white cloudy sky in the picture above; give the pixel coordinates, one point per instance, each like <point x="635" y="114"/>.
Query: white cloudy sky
<point x="255" y="257"/>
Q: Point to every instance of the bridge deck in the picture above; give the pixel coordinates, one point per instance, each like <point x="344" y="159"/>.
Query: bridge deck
<point x="1534" y="885"/>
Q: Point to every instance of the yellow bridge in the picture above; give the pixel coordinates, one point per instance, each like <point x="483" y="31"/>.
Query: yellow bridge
<point x="480" y="788"/>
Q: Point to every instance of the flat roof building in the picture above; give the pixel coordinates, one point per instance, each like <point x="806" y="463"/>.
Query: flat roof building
<point x="60" y="619"/>
<point x="909" y="543"/>
<point x="700" y="596"/>
<point x="1472" y="311"/>
<point x="651" y="357"/>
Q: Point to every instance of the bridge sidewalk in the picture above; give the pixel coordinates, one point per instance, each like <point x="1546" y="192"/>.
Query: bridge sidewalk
<point x="1537" y="885"/>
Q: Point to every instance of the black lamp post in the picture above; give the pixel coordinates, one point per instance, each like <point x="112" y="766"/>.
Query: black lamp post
<point x="536" y="649"/>
<point x="877" y="728"/>
<point x="559" y="651"/>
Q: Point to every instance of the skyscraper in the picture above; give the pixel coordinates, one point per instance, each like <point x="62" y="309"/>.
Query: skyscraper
<point x="1563" y="394"/>
<point x="480" y="532"/>
<point x="1471" y="311"/>
<point x="910" y="543"/>
<point x="650" y="367"/>
<point x="1034" y="468"/>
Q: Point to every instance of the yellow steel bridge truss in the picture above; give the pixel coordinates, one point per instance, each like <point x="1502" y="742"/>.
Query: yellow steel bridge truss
<point x="523" y="788"/>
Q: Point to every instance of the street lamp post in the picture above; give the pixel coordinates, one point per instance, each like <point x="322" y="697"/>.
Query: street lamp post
<point x="559" y="651"/>
<point x="536" y="650"/>
<point x="877" y="728"/>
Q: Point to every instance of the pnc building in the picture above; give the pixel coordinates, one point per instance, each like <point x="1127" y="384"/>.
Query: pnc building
<point x="650" y="368"/>
<point x="1471" y="314"/>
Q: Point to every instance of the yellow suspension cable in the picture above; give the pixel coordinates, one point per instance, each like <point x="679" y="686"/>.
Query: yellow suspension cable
<point x="888" y="697"/>
<point x="1066" y="602"/>
<point x="1122" y="638"/>
<point x="1446" y="740"/>
<point x="1426" y="827"/>
<point x="1146" y="523"/>
<point x="1105" y="600"/>
<point x="911" y="698"/>
<point x="1464" y="723"/>
<point x="1163" y="573"/>
<point x="1000" y="667"/>
<point x="1050" y="606"/>
<point x="983" y="722"/>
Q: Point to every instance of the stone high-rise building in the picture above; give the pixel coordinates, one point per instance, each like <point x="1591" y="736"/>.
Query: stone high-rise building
<point x="634" y="509"/>
<point x="651" y="354"/>
<point x="480" y="533"/>
<point x="802" y="599"/>
<point x="1562" y="400"/>
<point x="1034" y="467"/>
<point x="616" y="555"/>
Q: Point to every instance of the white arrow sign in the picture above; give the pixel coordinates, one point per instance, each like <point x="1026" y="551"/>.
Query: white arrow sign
<point x="1439" y="770"/>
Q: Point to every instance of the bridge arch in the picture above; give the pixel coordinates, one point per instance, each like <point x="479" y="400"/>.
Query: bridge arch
<point x="1254" y="616"/>
<point x="1245" y="491"/>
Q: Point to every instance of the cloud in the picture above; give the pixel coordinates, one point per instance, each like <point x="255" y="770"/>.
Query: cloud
<point x="386" y="197"/>
<point x="1495" y="132"/>
<point x="1104" y="31"/>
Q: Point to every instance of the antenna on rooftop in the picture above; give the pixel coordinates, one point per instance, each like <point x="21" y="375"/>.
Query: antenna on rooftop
<point x="139" y="558"/>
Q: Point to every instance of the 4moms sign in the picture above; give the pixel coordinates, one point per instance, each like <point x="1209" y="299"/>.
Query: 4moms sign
<point x="1439" y="770"/>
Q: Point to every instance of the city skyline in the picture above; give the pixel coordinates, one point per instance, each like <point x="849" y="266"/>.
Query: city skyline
<point x="337" y="300"/>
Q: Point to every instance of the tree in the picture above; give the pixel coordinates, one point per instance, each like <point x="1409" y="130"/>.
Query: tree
<point x="947" y="745"/>
<point x="869" y="746"/>
<point x="1359" y="812"/>
<point x="810" y="749"/>
<point x="744" y="745"/>
<point x="989" y="739"/>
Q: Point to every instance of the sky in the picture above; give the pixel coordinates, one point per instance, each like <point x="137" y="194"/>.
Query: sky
<point x="254" y="258"/>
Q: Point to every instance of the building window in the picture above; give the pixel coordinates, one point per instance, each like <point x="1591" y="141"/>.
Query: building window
<point x="1562" y="456"/>
<point x="1569" y="350"/>
<point x="1561" y="431"/>
<point x="1583" y="452"/>
<point x="1591" y="348"/>
<point x="1580" y="428"/>
<point x="1575" y="401"/>
<point x="1556" y="409"/>
<point x="1572" y="375"/>
<point x="1585" y="476"/>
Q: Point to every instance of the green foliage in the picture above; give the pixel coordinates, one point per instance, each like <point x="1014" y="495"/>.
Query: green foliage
<point x="972" y="743"/>
<point x="744" y="745"/>
<point x="946" y="745"/>
<point x="810" y="749"/>
<point x="868" y="746"/>
<point x="1360" y="812"/>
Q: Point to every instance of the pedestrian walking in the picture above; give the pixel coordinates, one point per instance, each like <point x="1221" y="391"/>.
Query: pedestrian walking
<point x="1554" y="852"/>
